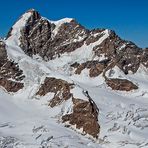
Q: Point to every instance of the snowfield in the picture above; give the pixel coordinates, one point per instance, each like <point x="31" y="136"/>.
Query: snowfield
<point x="27" y="123"/>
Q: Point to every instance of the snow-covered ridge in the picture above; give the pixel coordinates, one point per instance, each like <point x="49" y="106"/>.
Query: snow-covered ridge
<point x="16" y="28"/>
<point x="58" y="23"/>
<point x="13" y="41"/>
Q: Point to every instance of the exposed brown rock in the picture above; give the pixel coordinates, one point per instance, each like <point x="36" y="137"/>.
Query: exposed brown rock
<point x="75" y="65"/>
<point x="85" y="116"/>
<point x="121" y="84"/>
<point x="11" y="86"/>
<point x="96" y="70"/>
<point x="9" y="70"/>
<point x="144" y="57"/>
<point x="60" y="88"/>
<point x="95" y="67"/>
<point x="93" y="37"/>
<point x="85" y="113"/>
<point x="80" y="68"/>
<point x="126" y="54"/>
<point x="37" y="37"/>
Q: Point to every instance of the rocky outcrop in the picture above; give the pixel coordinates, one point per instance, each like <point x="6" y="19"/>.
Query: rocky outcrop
<point x="85" y="116"/>
<point x="94" y="36"/>
<point x="144" y="57"/>
<point x="95" y="67"/>
<point x="50" y="39"/>
<point x="11" y="86"/>
<point x="10" y="74"/>
<point x="85" y="112"/>
<point x="59" y="87"/>
<point x="121" y="84"/>
<point x="35" y="35"/>
<point x="42" y="37"/>
<point x="126" y="54"/>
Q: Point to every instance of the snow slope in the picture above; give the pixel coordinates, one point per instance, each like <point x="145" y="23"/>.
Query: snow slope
<point x="27" y="123"/>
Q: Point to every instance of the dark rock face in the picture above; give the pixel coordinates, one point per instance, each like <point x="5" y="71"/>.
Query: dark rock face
<point x="11" y="86"/>
<point x="48" y="40"/>
<point x="126" y="54"/>
<point x="66" y="36"/>
<point x="85" y="113"/>
<point x="9" y="70"/>
<point x="121" y="84"/>
<point x="84" y="116"/>
<point x="3" y="53"/>
<point x="37" y="37"/>
<point x="92" y="37"/>
<point x="95" y="67"/>
<point x="59" y="87"/>
<point x="144" y="57"/>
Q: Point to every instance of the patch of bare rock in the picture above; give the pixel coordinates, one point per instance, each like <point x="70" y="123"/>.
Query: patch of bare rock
<point x="85" y="112"/>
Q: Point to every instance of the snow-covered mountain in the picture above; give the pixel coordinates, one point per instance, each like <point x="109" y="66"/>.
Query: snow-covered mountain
<point x="63" y="85"/>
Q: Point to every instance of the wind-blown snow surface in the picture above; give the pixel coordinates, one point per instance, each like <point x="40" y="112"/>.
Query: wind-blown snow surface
<point x="26" y="121"/>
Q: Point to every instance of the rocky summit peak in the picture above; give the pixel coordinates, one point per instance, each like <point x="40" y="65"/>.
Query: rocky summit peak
<point x="32" y="10"/>
<point x="35" y="14"/>
<point x="30" y="14"/>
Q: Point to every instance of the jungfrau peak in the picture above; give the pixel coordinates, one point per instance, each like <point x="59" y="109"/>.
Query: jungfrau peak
<point x="69" y="86"/>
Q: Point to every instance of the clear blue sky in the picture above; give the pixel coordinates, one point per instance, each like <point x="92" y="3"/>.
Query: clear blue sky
<point x="129" y="18"/>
